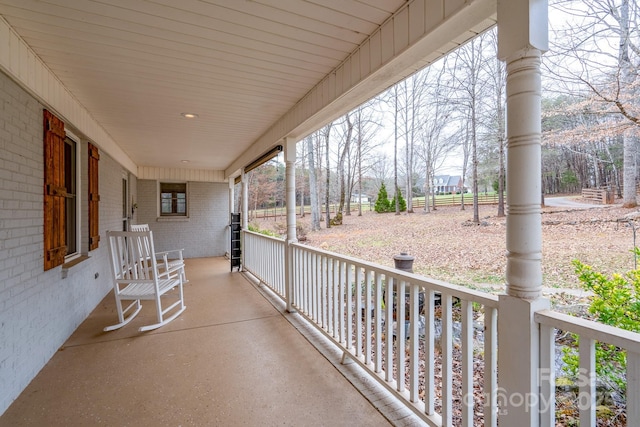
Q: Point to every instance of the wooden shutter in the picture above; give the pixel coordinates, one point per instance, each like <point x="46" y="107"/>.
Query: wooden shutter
<point x="94" y="198"/>
<point x="55" y="247"/>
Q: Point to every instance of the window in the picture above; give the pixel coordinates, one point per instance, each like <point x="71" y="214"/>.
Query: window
<point x="55" y="192"/>
<point x="173" y="199"/>
<point x="71" y="200"/>
<point x="62" y="201"/>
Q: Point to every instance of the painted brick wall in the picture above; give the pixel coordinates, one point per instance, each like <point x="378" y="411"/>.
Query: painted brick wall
<point x="39" y="310"/>
<point x="203" y="234"/>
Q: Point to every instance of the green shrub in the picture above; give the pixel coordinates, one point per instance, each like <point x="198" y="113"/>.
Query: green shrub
<point x="382" y="203"/>
<point x="401" y="202"/>
<point x="615" y="302"/>
<point x="256" y="229"/>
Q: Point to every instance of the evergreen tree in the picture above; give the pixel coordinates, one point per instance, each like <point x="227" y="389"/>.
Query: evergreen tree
<point x="402" y="203"/>
<point x="382" y="203"/>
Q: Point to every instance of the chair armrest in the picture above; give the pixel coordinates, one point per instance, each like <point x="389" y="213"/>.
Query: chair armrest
<point x="169" y="267"/>
<point x="166" y="253"/>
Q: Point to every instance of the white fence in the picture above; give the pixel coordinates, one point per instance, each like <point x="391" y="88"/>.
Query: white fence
<point x="448" y="375"/>
<point x="263" y="256"/>
<point x="589" y="333"/>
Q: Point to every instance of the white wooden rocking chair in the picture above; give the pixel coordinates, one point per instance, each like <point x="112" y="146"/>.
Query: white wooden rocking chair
<point x="171" y="265"/>
<point x="137" y="277"/>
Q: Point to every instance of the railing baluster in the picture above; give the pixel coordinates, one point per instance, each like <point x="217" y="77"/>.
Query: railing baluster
<point x="316" y="273"/>
<point x="633" y="389"/>
<point x="587" y="382"/>
<point x="326" y="293"/>
<point x="305" y="285"/>
<point x="490" y="367"/>
<point x="312" y="276"/>
<point x="446" y="343"/>
<point x="358" y="309"/>
<point x="337" y="309"/>
<point x="429" y="365"/>
<point x="349" y="292"/>
<point x="547" y="377"/>
<point x="414" y="343"/>
<point x="378" y="322"/>
<point x="466" y="339"/>
<point x="329" y="280"/>
<point x="367" y="317"/>
<point x="400" y="335"/>
<point x="343" y="302"/>
<point x="388" y="369"/>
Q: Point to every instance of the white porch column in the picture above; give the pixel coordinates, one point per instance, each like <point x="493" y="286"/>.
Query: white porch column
<point x="522" y="37"/>
<point x="290" y="162"/>
<point x="231" y="198"/>
<point x="244" y="218"/>
<point x="231" y="194"/>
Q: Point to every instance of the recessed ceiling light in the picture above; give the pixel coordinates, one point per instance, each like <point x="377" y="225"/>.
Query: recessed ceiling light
<point x="189" y="115"/>
<point x="184" y="161"/>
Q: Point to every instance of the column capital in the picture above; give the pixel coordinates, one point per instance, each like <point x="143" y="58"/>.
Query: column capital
<point x="522" y="25"/>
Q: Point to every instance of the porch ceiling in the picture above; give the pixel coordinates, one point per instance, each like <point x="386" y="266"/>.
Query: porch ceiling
<point x="240" y="65"/>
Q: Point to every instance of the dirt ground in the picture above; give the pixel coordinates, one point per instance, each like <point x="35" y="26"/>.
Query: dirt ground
<point x="447" y="246"/>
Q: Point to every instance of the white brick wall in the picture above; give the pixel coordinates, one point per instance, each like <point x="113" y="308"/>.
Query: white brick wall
<point x="204" y="234"/>
<point x="38" y="309"/>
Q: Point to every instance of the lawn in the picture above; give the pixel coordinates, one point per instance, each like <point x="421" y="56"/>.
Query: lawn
<point x="447" y="246"/>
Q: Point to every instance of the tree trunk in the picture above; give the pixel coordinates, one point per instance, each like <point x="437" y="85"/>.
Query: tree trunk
<point x="629" y="200"/>
<point x="341" y="161"/>
<point x="313" y="187"/>
<point x="395" y="150"/>
<point x="501" y="137"/>
<point x="327" y="186"/>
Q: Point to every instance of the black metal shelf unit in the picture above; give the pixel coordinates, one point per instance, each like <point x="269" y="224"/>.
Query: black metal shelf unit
<point x="236" y="251"/>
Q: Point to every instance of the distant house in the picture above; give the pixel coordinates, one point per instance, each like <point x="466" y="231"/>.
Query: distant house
<point x="443" y="184"/>
<point x="357" y="198"/>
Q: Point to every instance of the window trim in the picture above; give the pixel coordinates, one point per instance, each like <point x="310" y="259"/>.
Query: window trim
<point x="176" y="216"/>
<point x="77" y="196"/>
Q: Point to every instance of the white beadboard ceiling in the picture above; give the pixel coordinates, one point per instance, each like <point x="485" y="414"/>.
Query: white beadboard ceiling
<point x="136" y="65"/>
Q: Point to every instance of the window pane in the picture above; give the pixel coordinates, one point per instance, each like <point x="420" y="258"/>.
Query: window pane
<point x="173" y="199"/>
<point x="182" y="206"/>
<point x="70" y="202"/>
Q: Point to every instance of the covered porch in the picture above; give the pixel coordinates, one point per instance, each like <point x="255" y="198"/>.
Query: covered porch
<point x="235" y="357"/>
<point x="194" y="94"/>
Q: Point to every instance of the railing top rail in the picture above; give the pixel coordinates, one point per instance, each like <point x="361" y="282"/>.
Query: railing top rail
<point x="483" y="298"/>
<point x="593" y="330"/>
<point x="279" y="239"/>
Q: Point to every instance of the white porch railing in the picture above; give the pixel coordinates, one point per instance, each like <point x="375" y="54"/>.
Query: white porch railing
<point x="263" y="256"/>
<point x="355" y="303"/>
<point x="350" y="300"/>
<point x="589" y="332"/>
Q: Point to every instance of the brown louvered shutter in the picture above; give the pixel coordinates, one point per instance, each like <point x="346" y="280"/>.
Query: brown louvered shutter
<point x="94" y="198"/>
<point x="55" y="192"/>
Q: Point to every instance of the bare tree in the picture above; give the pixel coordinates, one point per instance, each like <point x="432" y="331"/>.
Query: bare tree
<point x="434" y="144"/>
<point x="325" y="133"/>
<point x="342" y="156"/>
<point x="313" y="184"/>
<point x="470" y="81"/>
<point x="596" y="58"/>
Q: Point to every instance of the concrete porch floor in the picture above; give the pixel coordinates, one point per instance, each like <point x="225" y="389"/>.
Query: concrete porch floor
<point x="233" y="358"/>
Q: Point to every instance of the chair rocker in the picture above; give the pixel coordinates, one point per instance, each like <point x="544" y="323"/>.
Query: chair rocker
<point x="137" y="278"/>
<point x="169" y="265"/>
